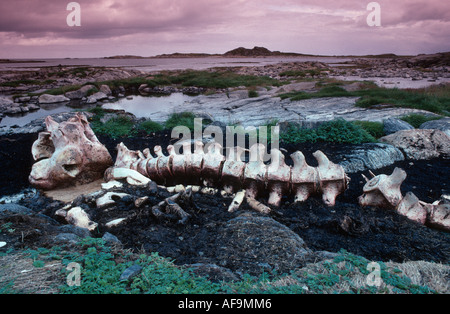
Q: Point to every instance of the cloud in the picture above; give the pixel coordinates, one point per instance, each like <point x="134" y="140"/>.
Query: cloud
<point x="163" y="26"/>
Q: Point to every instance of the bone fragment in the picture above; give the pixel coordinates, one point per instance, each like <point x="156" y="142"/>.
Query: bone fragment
<point x="237" y="201"/>
<point x="258" y="206"/>
<point x="132" y="176"/>
<point x="78" y="217"/>
<point x="109" y="199"/>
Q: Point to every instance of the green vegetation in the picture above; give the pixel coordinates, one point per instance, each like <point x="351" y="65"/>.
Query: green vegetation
<point x="180" y="119"/>
<point x="123" y="126"/>
<point x="327" y="91"/>
<point x="118" y="126"/>
<point x="376" y="129"/>
<point x="416" y="120"/>
<point x="253" y="94"/>
<point x="191" y="78"/>
<point x="150" y="126"/>
<point x="61" y="90"/>
<point x="102" y="267"/>
<point x="183" y="119"/>
<point x="435" y="99"/>
<point x="18" y="83"/>
<point x="115" y="127"/>
<point x="220" y="79"/>
<point x="337" y="131"/>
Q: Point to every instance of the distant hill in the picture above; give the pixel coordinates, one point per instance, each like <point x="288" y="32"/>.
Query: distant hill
<point x="258" y="52"/>
<point x="425" y="60"/>
<point x="430" y="60"/>
<point x="186" y="55"/>
<point x="238" y="52"/>
<point x="125" y="57"/>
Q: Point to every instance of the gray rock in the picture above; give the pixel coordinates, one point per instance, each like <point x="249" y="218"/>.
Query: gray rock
<point x="105" y="89"/>
<point x="5" y="102"/>
<point x="14" y="209"/>
<point x="111" y="239"/>
<point x="441" y="124"/>
<point x="96" y="97"/>
<point x="23" y="99"/>
<point x="79" y="94"/>
<point x="100" y="96"/>
<point x="80" y="232"/>
<point x="213" y="272"/>
<point x="393" y="125"/>
<point x="33" y="107"/>
<point x="420" y="144"/>
<point x="52" y="99"/>
<point x="369" y="156"/>
<point x="130" y="272"/>
<point x="68" y="238"/>
<point x="14" y="109"/>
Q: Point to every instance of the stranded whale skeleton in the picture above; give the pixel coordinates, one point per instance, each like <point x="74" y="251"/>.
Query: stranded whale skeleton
<point x="69" y="153"/>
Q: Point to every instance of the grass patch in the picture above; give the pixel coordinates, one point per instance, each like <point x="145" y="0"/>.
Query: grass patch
<point x="101" y="267"/>
<point x="183" y="119"/>
<point x="18" y="83"/>
<point x="191" y="78"/>
<point x="337" y="131"/>
<point x="61" y="90"/>
<point x="116" y="127"/>
<point x="123" y="126"/>
<point x="416" y="120"/>
<point x="327" y="91"/>
<point x="150" y="126"/>
<point x="221" y="79"/>
<point x="188" y="78"/>
<point x="435" y="99"/>
<point x="253" y="94"/>
<point x="376" y="129"/>
<point x="404" y="98"/>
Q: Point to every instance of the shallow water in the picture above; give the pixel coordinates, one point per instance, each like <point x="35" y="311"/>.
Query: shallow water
<point x="24" y="118"/>
<point x="151" y="107"/>
<point x="158" y="64"/>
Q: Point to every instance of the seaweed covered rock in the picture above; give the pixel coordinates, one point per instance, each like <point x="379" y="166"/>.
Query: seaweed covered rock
<point x="251" y="244"/>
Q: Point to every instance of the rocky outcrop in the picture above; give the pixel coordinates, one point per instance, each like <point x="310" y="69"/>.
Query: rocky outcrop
<point x="96" y="97"/>
<point x="80" y="93"/>
<point x="9" y="107"/>
<point x="393" y="125"/>
<point x="420" y="144"/>
<point x="52" y="99"/>
<point x="442" y="124"/>
<point x="369" y="156"/>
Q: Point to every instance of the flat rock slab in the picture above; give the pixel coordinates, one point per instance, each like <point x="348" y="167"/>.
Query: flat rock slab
<point x="234" y="109"/>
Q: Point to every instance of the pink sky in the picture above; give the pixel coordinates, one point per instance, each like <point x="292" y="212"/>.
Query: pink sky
<point x="38" y="28"/>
